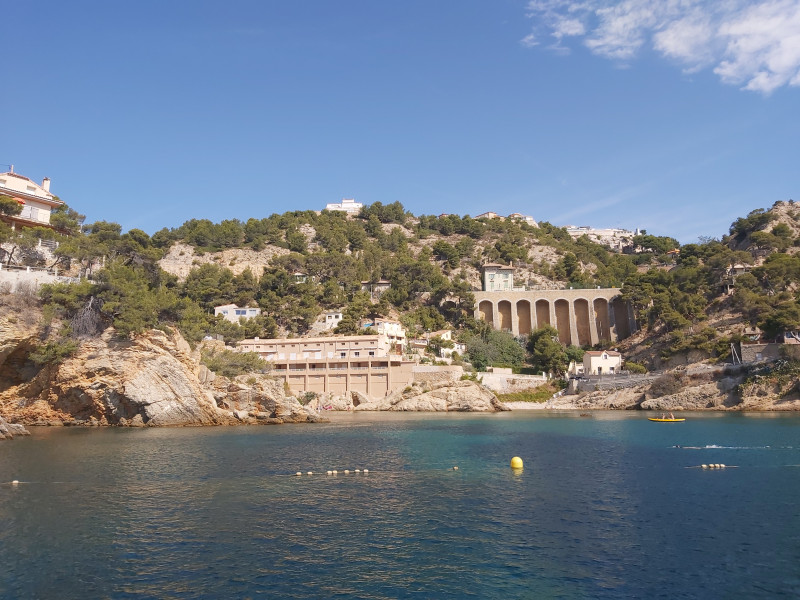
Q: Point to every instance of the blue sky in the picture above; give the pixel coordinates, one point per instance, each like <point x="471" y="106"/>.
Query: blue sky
<point x="675" y="116"/>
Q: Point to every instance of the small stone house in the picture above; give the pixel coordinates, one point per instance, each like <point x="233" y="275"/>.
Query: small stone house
<point x="497" y="278"/>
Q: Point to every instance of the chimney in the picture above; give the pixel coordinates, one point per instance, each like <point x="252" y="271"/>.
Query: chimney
<point x="10" y="168"/>
<point x="46" y="184"/>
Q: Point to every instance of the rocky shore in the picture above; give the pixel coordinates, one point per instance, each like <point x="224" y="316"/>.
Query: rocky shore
<point x="157" y="379"/>
<point x="692" y="390"/>
<point x="10" y="430"/>
<point x="153" y="379"/>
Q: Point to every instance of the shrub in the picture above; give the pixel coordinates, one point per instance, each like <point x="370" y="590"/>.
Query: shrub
<point x="634" y="367"/>
<point x="543" y="393"/>
<point x="666" y="385"/>
<point x="54" y="352"/>
<point x="230" y="364"/>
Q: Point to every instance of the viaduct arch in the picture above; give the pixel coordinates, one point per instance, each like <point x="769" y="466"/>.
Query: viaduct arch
<point x="582" y="317"/>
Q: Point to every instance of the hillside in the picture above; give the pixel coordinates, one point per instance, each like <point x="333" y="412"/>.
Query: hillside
<point x="690" y="302"/>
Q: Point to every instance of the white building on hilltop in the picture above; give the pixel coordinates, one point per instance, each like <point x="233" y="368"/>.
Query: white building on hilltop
<point x="348" y="205"/>
<point x="615" y="238"/>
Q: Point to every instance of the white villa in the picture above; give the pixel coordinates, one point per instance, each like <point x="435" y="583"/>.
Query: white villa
<point x="394" y="332"/>
<point x="36" y="200"/>
<point x="348" y="205"/>
<point x="232" y="313"/>
<point x="612" y="237"/>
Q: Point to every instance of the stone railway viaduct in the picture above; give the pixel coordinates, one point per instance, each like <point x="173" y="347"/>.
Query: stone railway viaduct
<point x="582" y="317"/>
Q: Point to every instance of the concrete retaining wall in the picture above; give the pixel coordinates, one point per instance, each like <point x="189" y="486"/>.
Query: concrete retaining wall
<point x="508" y="383"/>
<point x="436" y="374"/>
<point x="16" y="280"/>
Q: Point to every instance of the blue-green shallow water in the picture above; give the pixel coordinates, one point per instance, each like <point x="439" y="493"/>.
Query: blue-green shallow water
<point x="605" y="508"/>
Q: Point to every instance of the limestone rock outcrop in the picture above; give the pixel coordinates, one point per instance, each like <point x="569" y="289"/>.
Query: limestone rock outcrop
<point x="9" y="430"/>
<point x="152" y="379"/>
<point x="460" y="396"/>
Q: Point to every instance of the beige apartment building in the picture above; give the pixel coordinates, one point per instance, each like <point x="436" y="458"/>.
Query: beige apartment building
<point x="338" y="364"/>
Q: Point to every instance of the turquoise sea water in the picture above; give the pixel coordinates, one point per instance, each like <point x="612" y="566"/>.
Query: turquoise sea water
<point x="606" y="507"/>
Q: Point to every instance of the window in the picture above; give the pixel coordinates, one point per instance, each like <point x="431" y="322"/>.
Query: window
<point x="372" y="353"/>
<point x="356" y="353"/>
<point x="241" y="312"/>
<point x="342" y="354"/>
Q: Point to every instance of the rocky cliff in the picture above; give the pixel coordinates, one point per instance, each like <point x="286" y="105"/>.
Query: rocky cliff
<point x="461" y="396"/>
<point x="152" y="379"/>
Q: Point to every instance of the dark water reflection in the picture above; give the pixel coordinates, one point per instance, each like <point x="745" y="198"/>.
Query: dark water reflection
<point x="605" y="508"/>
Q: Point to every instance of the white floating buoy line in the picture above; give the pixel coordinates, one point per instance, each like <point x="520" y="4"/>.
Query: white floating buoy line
<point x="328" y="472"/>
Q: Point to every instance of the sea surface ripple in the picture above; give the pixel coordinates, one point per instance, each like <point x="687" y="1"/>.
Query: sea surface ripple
<point x="611" y="506"/>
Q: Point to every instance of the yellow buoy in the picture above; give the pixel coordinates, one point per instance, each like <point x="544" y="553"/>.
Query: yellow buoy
<point x="347" y="471"/>
<point x="15" y="482"/>
<point x="310" y="473"/>
<point x="704" y="466"/>
<point x="365" y="471"/>
<point x="516" y="462"/>
<point x="298" y="473"/>
<point x="455" y="468"/>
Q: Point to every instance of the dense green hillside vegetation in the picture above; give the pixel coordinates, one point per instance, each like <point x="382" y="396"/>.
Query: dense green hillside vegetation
<point x="432" y="264"/>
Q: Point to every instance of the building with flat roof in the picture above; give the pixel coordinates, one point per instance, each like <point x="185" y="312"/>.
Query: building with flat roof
<point x="232" y="312"/>
<point x="336" y="364"/>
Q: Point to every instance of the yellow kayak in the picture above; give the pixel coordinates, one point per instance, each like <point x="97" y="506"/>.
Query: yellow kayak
<point x="666" y="420"/>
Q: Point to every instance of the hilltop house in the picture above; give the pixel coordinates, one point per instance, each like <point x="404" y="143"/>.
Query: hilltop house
<point x="348" y="205"/>
<point x="524" y="218"/>
<point x="36" y="200"/>
<point x="614" y="238"/>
